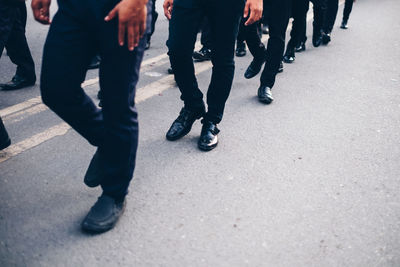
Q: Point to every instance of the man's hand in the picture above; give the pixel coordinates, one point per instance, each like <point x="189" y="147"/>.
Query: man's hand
<point x="255" y="8"/>
<point x="41" y="11"/>
<point x="132" y="16"/>
<point x="168" y="4"/>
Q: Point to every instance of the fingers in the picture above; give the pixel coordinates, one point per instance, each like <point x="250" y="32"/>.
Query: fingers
<point x="246" y="10"/>
<point x="45" y="13"/>
<point x="142" y="25"/>
<point x="255" y="15"/>
<point x="132" y="37"/>
<point x="41" y="11"/>
<point x="121" y="33"/>
<point x="111" y="14"/>
<point x="167" y="9"/>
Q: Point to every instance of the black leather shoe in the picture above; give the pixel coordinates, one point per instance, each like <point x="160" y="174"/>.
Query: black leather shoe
<point x="95" y="173"/>
<point x="280" y="70"/>
<point x="301" y="47"/>
<point x="209" y="136"/>
<point x="254" y="68"/>
<point x="317" y="39"/>
<point x="4" y="139"/>
<point x="289" y="56"/>
<point x="17" y="82"/>
<point x="265" y="95"/>
<point x="103" y="215"/>
<point x="289" y="59"/>
<point x="183" y="124"/>
<point x="241" y="49"/>
<point x="265" y="29"/>
<point x="344" y="25"/>
<point x="326" y="38"/>
<point x="95" y="63"/>
<point x="203" y="54"/>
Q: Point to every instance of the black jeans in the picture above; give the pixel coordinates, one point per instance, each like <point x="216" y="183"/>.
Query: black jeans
<point x="330" y="17"/>
<point x="348" y="6"/>
<point x="223" y="17"/>
<point x="279" y="13"/>
<point x="77" y="33"/>
<point x="12" y="37"/>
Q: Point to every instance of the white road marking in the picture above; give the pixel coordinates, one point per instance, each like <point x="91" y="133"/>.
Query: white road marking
<point x="33" y="141"/>
<point x="19" y="116"/>
<point x="21" y="106"/>
<point x="145" y="93"/>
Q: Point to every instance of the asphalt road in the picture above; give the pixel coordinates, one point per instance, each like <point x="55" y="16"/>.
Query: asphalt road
<point x="310" y="180"/>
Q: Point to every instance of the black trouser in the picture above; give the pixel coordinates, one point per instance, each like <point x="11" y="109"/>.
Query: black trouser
<point x="205" y="38"/>
<point x="251" y="35"/>
<point x="78" y="31"/>
<point x="348" y="6"/>
<point x="279" y="13"/>
<point x="330" y="17"/>
<point x="299" y="25"/>
<point x="12" y="37"/>
<point x="154" y="16"/>
<point x="223" y="16"/>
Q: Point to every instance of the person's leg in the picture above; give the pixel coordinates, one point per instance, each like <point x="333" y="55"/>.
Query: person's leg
<point x="330" y="17"/>
<point x="224" y="18"/>
<point x="205" y="52"/>
<point x="70" y="46"/>
<point x="299" y="13"/>
<point x="348" y="6"/>
<point x="119" y="74"/>
<point x="8" y="16"/>
<point x="154" y="16"/>
<point x="256" y="47"/>
<point x="206" y="34"/>
<point x="183" y="29"/>
<point x="319" y="8"/>
<point x="279" y="18"/>
<point x="17" y="47"/>
<point x="240" y="45"/>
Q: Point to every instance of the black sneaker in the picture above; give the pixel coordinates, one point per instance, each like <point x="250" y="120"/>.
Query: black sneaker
<point x="103" y="215"/>
<point x="203" y="54"/>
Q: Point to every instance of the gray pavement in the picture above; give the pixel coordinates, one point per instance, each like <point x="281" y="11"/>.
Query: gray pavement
<point x="310" y="180"/>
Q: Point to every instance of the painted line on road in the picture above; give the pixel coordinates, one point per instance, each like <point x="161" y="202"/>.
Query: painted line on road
<point x="33" y="141"/>
<point x="145" y="93"/>
<point x="21" y="106"/>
